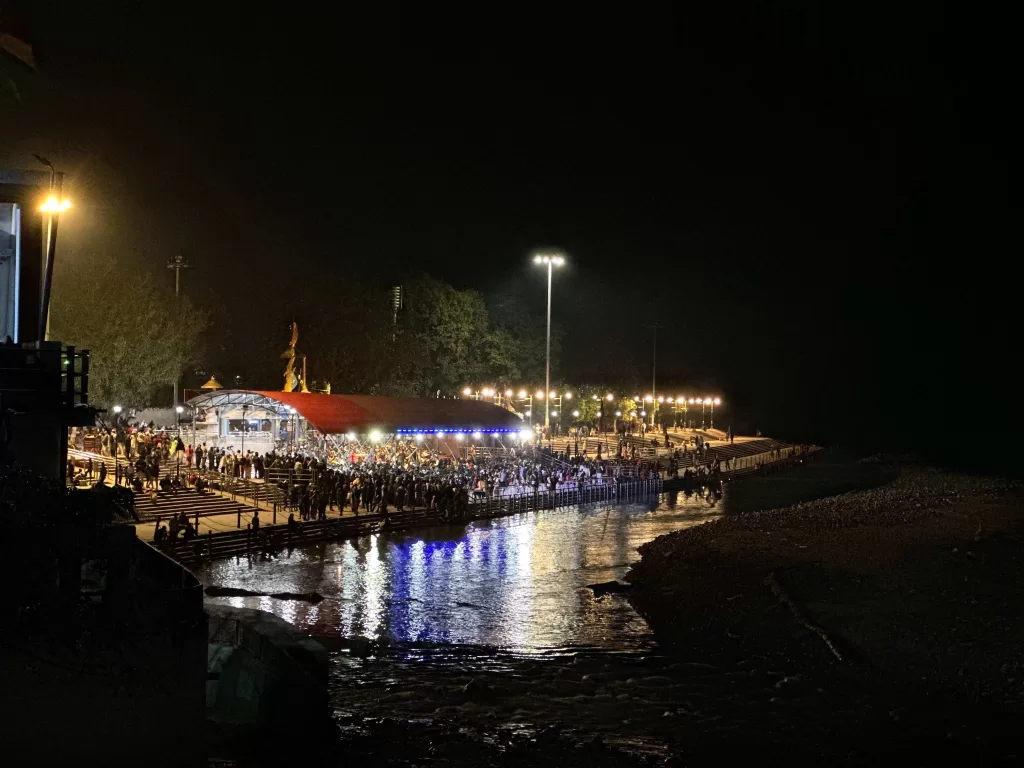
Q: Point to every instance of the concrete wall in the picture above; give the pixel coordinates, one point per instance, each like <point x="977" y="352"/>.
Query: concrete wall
<point x="262" y="671"/>
<point x="10" y="256"/>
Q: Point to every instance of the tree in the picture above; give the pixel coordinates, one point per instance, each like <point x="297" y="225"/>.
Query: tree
<point x="528" y="326"/>
<point x="589" y="409"/>
<point x="141" y="338"/>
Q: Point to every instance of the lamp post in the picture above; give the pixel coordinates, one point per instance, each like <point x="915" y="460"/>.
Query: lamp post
<point x="552" y="260"/>
<point x="53" y="206"/>
<point x="178" y="263"/>
<point x="245" y="425"/>
<point x="528" y="399"/>
<point x="716" y="401"/>
<point x="703" y="403"/>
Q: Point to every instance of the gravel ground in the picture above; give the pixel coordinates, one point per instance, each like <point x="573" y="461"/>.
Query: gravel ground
<point x="900" y="604"/>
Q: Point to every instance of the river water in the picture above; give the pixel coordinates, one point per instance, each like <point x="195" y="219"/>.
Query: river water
<point x="517" y="583"/>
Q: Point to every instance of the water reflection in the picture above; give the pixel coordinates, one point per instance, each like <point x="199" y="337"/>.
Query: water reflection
<point x="516" y="582"/>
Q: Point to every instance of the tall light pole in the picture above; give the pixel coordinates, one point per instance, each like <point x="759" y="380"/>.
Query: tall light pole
<point x="654" y="372"/>
<point x="178" y="263"/>
<point x="552" y="260"/>
<point x="54" y="205"/>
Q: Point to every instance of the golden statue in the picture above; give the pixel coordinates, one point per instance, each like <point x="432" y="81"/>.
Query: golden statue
<point x="291" y="381"/>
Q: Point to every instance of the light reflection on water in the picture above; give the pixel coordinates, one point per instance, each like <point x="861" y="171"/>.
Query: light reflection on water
<point x="516" y="582"/>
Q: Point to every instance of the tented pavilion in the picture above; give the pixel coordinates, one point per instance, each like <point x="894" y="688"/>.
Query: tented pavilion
<point x="263" y="421"/>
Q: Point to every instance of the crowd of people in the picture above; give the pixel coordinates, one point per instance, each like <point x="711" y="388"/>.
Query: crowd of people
<point x="354" y="476"/>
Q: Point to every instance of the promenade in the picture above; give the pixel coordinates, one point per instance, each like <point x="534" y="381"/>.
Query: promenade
<point x="223" y="518"/>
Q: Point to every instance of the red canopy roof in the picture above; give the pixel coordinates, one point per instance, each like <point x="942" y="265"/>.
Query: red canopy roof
<point x="338" y="414"/>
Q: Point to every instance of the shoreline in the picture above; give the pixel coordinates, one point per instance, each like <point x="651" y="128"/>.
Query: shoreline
<point x="890" y="612"/>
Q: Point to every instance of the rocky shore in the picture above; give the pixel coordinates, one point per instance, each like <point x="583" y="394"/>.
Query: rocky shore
<point x="889" y="619"/>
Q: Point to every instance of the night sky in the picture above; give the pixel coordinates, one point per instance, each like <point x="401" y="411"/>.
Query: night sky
<point x="813" y="203"/>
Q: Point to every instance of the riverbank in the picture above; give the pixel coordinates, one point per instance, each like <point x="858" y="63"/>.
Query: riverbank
<point x="889" y="616"/>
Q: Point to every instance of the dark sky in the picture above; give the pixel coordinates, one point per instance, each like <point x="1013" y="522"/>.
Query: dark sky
<point x="812" y="201"/>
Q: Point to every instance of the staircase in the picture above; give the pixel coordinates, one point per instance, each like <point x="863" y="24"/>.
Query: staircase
<point x="150" y="505"/>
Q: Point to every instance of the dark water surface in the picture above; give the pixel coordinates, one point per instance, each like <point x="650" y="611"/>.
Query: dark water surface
<point x="518" y="583"/>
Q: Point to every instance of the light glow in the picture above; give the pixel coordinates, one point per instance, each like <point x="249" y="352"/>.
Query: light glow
<point x="576" y="414"/>
<point x="351" y="437"/>
<point x="467" y="391"/>
<point x="522" y="394"/>
<point x="375" y="436"/>
<point x="55" y="206"/>
<point x="609" y="398"/>
<point x="718" y="401"/>
<point x="117" y="409"/>
<point x="419" y="438"/>
<point x="477" y="435"/>
<point x="540" y="395"/>
<point x="179" y="409"/>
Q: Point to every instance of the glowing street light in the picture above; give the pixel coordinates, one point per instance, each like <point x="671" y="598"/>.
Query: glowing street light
<point x="118" y="409"/>
<point x="575" y="414"/>
<point x="467" y="391"/>
<point x="609" y="397"/>
<point x="55" y="206"/>
<point x="552" y="260"/>
<point x="716" y="401"/>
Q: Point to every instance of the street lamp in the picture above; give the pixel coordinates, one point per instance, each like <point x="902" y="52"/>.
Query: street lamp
<point x="552" y="260"/>
<point x="716" y="401"/>
<point x="178" y="410"/>
<point x="526" y="398"/>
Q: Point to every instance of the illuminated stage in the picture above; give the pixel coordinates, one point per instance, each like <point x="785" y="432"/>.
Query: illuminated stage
<point x="331" y="425"/>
